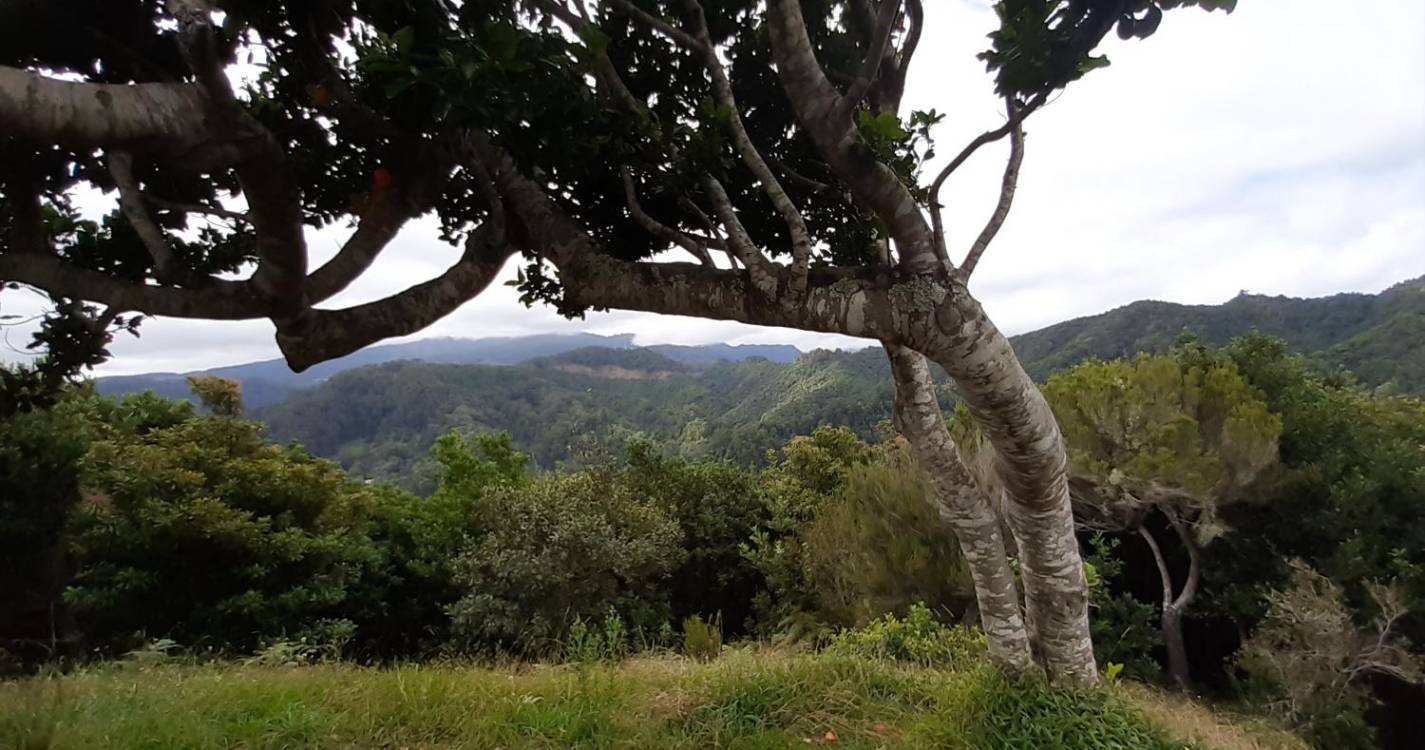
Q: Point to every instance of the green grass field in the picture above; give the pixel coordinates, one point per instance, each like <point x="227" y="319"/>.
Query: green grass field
<point x="749" y="698"/>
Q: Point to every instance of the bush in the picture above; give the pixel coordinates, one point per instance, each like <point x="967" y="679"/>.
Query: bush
<point x="199" y="531"/>
<point x="880" y="546"/>
<point x="998" y="713"/>
<point x="557" y="549"/>
<point x="918" y="638"/>
<point x="718" y="507"/>
<point x="702" y="640"/>
<point x="1305" y="660"/>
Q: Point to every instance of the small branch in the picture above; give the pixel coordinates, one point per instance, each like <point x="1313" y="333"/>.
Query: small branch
<point x="663" y="27"/>
<point x="1006" y="197"/>
<point x="752" y="158"/>
<point x="876" y="53"/>
<point x="1016" y="118"/>
<point x="1189" y="592"/>
<point x="1163" y="572"/>
<point x="195" y="208"/>
<point x="121" y="166"/>
<point x="656" y="228"/>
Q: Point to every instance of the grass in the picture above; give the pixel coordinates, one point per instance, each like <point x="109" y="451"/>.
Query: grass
<point x="749" y="699"/>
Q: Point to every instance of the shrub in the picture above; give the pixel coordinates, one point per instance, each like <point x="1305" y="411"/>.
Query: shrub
<point x="557" y="549"/>
<point x="998" y="713"/>
<point x="918" y="638"/>
<point x="880" y="546"/>
<point x="201" y="532"/>
<point x="1306" y="659"/>
<point x="718" y="507"/>
<point x="702" y="640"/>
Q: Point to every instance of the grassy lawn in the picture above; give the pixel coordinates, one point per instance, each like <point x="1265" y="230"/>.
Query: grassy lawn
<point x="749" y="699"/>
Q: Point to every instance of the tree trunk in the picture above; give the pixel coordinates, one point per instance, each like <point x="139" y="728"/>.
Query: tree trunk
<point x="1031" y="462"/>
<point x="965" y="507"/>
<point x="1174" y="606"/>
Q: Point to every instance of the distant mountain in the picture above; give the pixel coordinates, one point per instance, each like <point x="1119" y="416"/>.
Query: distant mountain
<point x="271" y="381"/>
<point x="1380" y="337"/>
<point x="380" y="421"/>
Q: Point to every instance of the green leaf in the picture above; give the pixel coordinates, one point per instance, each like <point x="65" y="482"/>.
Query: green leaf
<point x="404" y="38"/>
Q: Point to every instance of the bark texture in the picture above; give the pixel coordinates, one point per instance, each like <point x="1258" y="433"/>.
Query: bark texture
<point x="965" y="507"/>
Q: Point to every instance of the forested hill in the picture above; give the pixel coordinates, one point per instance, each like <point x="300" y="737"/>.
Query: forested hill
<point x="552" y="393"/>
<point x="380" y="421"/>
<point x="1380" y="337"/>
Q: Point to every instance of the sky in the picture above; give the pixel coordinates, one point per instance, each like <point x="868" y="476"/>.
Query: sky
<point x="1279" y="150"/>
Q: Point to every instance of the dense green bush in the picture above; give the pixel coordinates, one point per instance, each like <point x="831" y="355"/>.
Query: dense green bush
<point x="918" y="638"/>
<point x="39" y="489"/>
<point x="558" y="548"/>
<point x="199" y="531"/>
<point x="718" y="507"/>
<point x="880" y="546"/>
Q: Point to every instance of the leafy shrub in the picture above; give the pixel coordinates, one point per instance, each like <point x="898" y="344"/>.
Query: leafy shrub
<point x="557" y="549"/>
<point x="718" y="507"/>
<point x="323" y="641"/>
<point x="702" y="640"/>
<point x="40" y="455"/>
<point x="582" y="644"/>
<point x="998" y="713"/>
<point x="918" y="638"/>
<point x="880" y="546"/>
<point x="201" y="532"/>
<point x="1306" y="660"/>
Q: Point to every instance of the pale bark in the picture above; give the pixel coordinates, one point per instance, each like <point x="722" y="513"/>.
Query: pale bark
<point x="1174" y="607"/>
<point x="965" y="508"/>
<point x="1031" y="462"/>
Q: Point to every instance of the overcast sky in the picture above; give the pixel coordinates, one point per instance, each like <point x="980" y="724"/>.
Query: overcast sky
<point x="1279" y="150"/>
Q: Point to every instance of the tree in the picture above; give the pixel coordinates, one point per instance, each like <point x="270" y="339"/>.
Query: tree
<point x="1154" y="435"/>
<point x="764" y="132"/>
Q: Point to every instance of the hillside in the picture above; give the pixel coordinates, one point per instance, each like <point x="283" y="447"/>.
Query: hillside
<point x="554" y="393"/>
<point x="271" y="381"/>
<point x="1377" y="336"/>
<point x="380" y="421"/>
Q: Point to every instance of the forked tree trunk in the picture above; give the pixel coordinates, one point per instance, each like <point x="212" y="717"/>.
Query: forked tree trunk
<point x="965" y="507"/>
<point x="1031" y="462"/>
<point x="1174" y="607"/>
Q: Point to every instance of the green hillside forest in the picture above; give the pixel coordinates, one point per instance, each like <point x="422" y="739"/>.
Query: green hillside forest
<point x="380" y="421"/>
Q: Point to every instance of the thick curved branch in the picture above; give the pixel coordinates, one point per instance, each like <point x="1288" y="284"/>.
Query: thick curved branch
<point x="219" y="300"/>
<point x="1006" y="198"/>
<point x="1194" y="577"/>
<point x="382" y="220"/>
<point x="321" y="335"/>
<point x="160" y="118"/>
<point x="826" y="116"/>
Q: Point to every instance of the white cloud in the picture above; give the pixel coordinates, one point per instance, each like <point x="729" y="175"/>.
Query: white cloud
<point x="1279" y="150"/>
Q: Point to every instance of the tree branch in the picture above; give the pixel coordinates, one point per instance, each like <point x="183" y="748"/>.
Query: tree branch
<point x="219" y="300"/>
<point x="321" y="335"/>
<point x="696" y="246"/>
<point x="826" y="116"/>
<point x="194" y="208"/>
<point x="1013" y="124"/>
<point x="121" y="166"/>
<point x="876" y="53"/>
<point x="161" y="118"/>
<point x="1006" y="197"/>
<point x="752" y="158"/>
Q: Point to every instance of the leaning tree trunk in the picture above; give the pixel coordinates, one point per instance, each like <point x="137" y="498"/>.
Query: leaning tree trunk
<point x="1174" y="607"/>
<point x="965" y="507"/>
<point x="1030" y="460"/>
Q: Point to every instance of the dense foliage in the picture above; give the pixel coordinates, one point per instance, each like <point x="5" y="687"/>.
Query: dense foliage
<point x="142" y="520"/>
